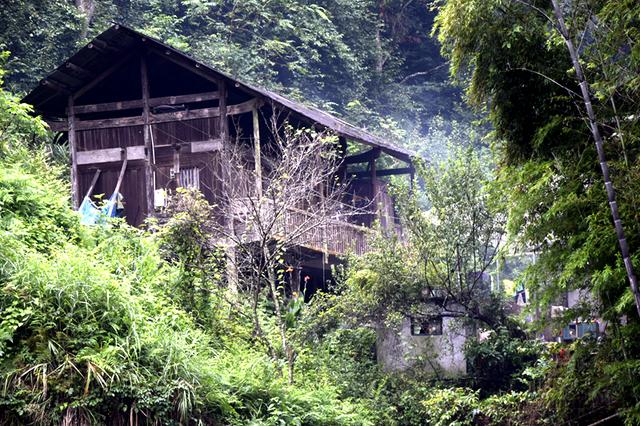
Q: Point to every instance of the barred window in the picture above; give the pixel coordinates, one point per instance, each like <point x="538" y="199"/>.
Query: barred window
<point x="190" y="178"/>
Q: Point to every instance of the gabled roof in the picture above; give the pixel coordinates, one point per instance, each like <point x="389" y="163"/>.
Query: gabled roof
<point x="49" y="97"/>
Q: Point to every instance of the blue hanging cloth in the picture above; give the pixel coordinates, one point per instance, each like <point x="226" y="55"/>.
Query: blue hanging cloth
<point x="89" y="212"/>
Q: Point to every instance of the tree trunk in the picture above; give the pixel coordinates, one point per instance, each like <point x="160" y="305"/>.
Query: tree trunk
<point x="87" y="8"/>
<point x="286" y="347"/>
<point x="595" y="131"/>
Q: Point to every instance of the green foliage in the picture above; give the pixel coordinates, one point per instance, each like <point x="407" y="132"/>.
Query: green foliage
<point x="450" y="406"/>
<point x="186" y="243"/>
<point x="502" y="352"/>
<point x="513" y="60"/>
<point x="518" y="65"/>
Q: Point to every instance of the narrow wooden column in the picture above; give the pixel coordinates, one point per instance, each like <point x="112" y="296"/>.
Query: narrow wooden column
<point x="257" y="156"/>
<point x="232" y="259"/>
<point x="224" y="121"/>
<point x="342" y="142"/>
<point x="342" y="171"/>
<point x="73" y="148"/>
<point x="375" y="190"/>
<point x="176" y="165"/>
<point x="148" y="154"/>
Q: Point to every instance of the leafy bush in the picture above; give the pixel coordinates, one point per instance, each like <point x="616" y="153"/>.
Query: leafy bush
<point x="500" y="352"/>
<point x="451" y="407"/>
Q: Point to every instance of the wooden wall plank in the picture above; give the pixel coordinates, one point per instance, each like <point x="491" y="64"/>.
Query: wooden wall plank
<point x="206" y="146"/>
<point x="184" y="99"/>
<point x="138" y="103"/>
<point x="109" y="122"/>
<point x="185" y="115"/>
<point x="241" y="108"/>
<point x="108" y="106"/>
<point x="109" y="155"/>
<point x="384" y="172"/>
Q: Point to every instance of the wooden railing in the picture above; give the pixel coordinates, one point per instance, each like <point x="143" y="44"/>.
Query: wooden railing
<point x="303" y="228"/>
<point x="337" y="237"/>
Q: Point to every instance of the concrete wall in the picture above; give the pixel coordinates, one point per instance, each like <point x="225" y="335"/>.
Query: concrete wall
<point x="398" y="350"/>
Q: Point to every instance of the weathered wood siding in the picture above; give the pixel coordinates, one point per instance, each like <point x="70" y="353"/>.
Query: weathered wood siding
<point x="116" y="137"/>
<point x="173" y="132"/>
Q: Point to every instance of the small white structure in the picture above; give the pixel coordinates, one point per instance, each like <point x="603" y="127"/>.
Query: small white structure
<point x="435" y="343"/>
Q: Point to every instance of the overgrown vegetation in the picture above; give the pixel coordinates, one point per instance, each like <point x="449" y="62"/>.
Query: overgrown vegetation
<point x="115" y="325"/>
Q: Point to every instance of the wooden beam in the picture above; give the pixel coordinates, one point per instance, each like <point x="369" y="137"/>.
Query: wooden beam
<point x="153" y="119"/>
<point x="243" y="107"/>
<point x="109" y="155"/>
<point x="95" y="46"/>
<point x="57" y="86"/>
<point x="138" y="103"/>
<point x="185" y="115"/>
<point x="257" y="156"/>
<point x="75" y="190"/>
<point x="79" y="70"/>
<point x="109" y="122"/>
<point x="176" y="165"/>
<point x="412" y="176"/>
<point x="148" y="149"/>
<point x="69" y="80"/>
<point x="184" y="99"/>
<point x="363" y="157"/>
<point x="375" y="190"/>
<point x="384" y="172"/>
<point x="106" y="73"/>
<point x="206" y="146"/>
<point x="108" y="106"/>
<point x="96" y="175"/>
<point x="104" y="46"/>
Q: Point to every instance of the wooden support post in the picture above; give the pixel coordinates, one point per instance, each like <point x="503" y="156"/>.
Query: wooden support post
<point x="342" y="153"/>
<point x="374" y="184"/>
<point x="232" y="265"/>
<point x="176" y="165"/>
<point x="222" y="106"/>
<point x="342" y="145"/>
<point x="75" y="190"/>
<point x="257" y="156"/>
<point x="148" y="147"/>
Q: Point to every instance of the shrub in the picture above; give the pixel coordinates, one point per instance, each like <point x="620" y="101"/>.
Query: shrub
<point x="500" y="352"/>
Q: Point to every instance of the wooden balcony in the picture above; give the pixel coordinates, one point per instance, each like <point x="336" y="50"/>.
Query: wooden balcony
<point x="333" y="236"/>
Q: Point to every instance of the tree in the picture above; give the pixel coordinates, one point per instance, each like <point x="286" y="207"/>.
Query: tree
<point x="454" y="231"/>
<point x="458" y="237"/>
<point x="597" y="137"/>
<point x="273" y="199"/>
<point x="518" y="67"/>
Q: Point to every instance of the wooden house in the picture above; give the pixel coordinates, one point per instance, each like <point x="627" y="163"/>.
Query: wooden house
<point x="128" y="96"/>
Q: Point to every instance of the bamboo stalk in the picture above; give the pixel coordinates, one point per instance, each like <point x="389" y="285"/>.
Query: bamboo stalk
<point x="604" y="166"/>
